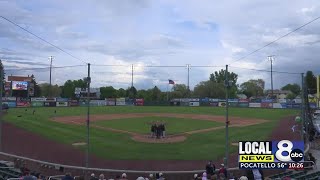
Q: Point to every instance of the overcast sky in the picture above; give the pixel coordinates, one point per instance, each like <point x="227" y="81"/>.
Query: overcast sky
<point x="164" y="32"/>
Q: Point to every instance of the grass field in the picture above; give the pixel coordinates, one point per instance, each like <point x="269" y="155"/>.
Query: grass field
<point x="111" y="145"/>
<point x="173" y="125"/>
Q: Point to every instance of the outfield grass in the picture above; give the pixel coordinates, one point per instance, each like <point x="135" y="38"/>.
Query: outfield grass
<point x="111" y="145"/>
<point x="173" y="125"/>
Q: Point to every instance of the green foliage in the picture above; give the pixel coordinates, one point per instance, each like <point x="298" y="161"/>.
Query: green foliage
<point x="179" y="91"/>
<point x="253" y="88"/>
<point x="291" y="96"/>
<point x="210" y="89"/>
<point x="311" y="82"/>
<point x="108" y="92"/>
<point x="220" y="76"/>
<point x="37" y="89"/>
<point x="69" y="87"/>
<point x="131" y="92"/>
<point x="46" y="91"/>
<point x="294" y="88"/>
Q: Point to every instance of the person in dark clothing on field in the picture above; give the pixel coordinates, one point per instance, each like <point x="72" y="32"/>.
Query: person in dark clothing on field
<point x="153" y="130"/>
<point x="158" y="130"/>
<point x="163" y="130"/>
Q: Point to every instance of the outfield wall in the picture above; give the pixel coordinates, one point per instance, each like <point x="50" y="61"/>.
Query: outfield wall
<point x="194" y="102"/>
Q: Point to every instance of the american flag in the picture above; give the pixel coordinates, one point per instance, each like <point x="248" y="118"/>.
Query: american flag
<point x="171" y="81"/>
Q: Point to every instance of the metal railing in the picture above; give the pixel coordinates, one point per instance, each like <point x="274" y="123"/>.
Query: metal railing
<point x="56" y="176"/>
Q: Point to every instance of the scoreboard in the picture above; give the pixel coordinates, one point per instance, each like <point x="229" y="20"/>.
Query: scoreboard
<point x="283" y="154"/>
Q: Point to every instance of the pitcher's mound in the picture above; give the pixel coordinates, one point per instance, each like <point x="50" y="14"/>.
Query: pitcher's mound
<point x="169" y="139"/>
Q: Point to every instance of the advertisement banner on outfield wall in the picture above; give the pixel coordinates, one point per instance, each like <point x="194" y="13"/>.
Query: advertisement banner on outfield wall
<point x="222" y="104"/>
<point x="266" y="105"/>
<point x="98" y="102"/>
<point x="73" y="103"/>
<point x="294" y="106"/>
<point x="9" y="99"/>
<point x="120" y="101"/>
<point x="139" y="102"/>
<point x="37" y="104"/>
<point x="51" y="99"/>
<point x="50" y="104"/>
<point x="284" y="105"/>
<point x="213" y="100"/>
<point x="11" y="104"/>
<point x="204" y="100"/>
<point x="297" y="101"/>
<point x="255" y="105"/>
<point x="233" y="100"/>
<point x="243" y="104"/>
<point x="282" y="100"/>
<point x="313" y="105"/>
<point x="243" y="100"/>
<point x="38" y="99"/>
<point x="111" y="102"/>
<point x="61" y="104"/>
<point x="23" y="103"/>
<point x="277" y="106"/>
<point x="214" y="104"/>
<point x="222" y="100"/>
<point x="195" y="103"/>
<point x="266" y="100"/>
<point x="62" y="99"/>
<point x="233" y="104"/>
<point x="185" y="100"/>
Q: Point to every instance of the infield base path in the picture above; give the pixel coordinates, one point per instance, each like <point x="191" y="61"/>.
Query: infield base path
<point x="233" y="122"/>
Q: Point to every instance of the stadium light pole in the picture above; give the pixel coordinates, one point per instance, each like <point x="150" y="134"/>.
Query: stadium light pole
<point x="50" y="90"/>
<point x="132" y="75"/>
<point x="188" y="68"/>
<point x="227" y="85"/>
<point x="271" y="59"/>
<point x="88" y="116"/>
<point x="302" y="107"/>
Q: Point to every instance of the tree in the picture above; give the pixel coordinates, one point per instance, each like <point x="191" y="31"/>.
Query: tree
<point x="45" y="90"/>
<point x="311" y="82"/>
<point x="179" y="91"/>
<point x="69" y="87"/>
<point x="220" y="76"/>
<point x="294" y="88"/>
<point x="37" y="89"/>
<point x="209" y="89"/>
<point x="108" y="92"/>
<point x="145" y="94"/>
<point x="121" y="93"/>
<point x="252" y="88"/>
<point x="156" y="92"/>
<point x="131" y="92"/>
<point x="291" y="96"/>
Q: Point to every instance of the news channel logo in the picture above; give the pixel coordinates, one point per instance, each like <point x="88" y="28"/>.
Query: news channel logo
<point x="288" y="151"/>
<point x="271" y="151"/>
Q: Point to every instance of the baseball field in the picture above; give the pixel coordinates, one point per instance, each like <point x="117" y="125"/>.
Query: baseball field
<point x="122" y="133"/>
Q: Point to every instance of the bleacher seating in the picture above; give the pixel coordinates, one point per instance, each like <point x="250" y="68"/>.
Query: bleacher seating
<point x="8" y="171"/>
<point x="303" y="175"/>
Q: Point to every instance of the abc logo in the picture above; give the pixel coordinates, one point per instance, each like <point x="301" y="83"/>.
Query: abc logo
<point x="285" y="152"/>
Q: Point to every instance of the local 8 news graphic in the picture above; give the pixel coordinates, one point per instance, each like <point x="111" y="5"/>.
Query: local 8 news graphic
<point x="283" y="154"/>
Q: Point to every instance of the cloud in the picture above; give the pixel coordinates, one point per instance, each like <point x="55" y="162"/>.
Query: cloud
<point x="168" y="32"/>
